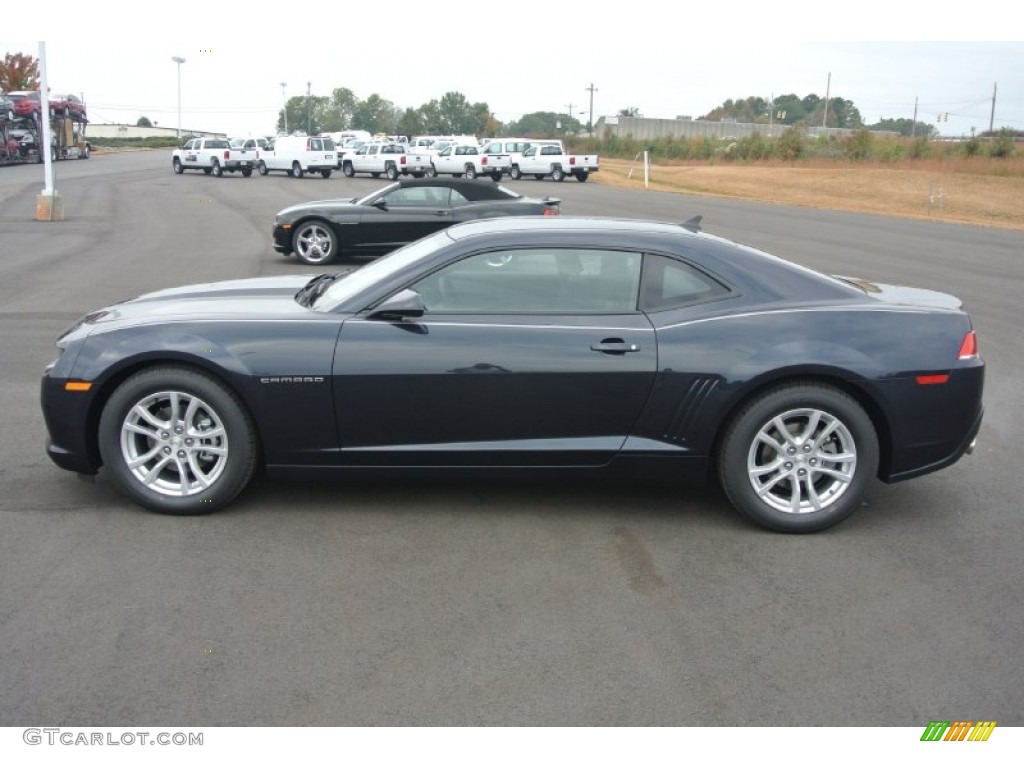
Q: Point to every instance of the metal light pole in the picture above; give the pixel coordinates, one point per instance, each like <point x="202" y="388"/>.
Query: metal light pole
<point x="179" y="60"/>
<point x="309" y="126"/>
<point x="284" y="109"/>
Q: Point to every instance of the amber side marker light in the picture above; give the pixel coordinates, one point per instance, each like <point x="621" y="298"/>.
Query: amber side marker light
<point x="77" y="386"/>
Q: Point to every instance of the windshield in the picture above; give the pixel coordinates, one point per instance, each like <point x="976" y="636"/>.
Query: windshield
<point x="377" y="193"/>
<point x="378" y="271"/>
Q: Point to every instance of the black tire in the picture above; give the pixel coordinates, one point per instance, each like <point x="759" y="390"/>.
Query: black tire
<point x="496" y="175"/>
<point x="314" y="242"/>
<point x="391" y="172"/>
<point x="207" y="171"/>
<point x="515" y="173"/>
<point x="326" y="174"/>
<point x="432" y="173"/>
<point x="538" y="176"/>
<point x="215" y="168"/>
<point x="582" y="176"/>
<point x="247" y="172"/>
<point x="176" y="463"/>
<point x="457" y="175"/>
<point x="86" y="153"/>
<point x="557" y="174"/>
<point x="348" y="170"/>
<point x="176" y="164"/>
<point x="799" y="489"/>
<point x="262" y="168"/>
<point x="297" y="171"/>
<point x="470" y="171"/>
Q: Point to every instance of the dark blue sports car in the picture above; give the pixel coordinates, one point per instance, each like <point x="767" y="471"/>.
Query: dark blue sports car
<point x="527" y="345"/>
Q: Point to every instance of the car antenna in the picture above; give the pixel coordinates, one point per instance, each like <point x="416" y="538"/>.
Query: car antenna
<point x="693" y="223"/>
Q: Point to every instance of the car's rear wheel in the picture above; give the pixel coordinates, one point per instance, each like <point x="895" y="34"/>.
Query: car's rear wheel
<point x="247" y="172"/>
<point x="799" y="458"/>
<point x="496" y="175"/>
<point x="314" y="243"/>
<point x="432" y="173"/>
<point x="558" y="174"/>
<point x="177" y="441"/>
<point x="470" y="171"/>
<point x="326" y="173"/>
<point x="391" y="171"/>
<point x="215" y="168"/>
<point x="582" y="176"/>
<point x="262" y="168"/>
<point x="297" y="170"/>
<point x="178" y="168"/>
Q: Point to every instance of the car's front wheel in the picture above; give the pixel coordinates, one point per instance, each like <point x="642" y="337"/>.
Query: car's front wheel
<point x="470" y="171"/>
<point x="297" y="171"/>
<point x="432" y="173"/>
<point x="799" y="458"/>
<point x="515" y="173"/>
<point x="177" y="441"/>
<point x="348" y="170"/>
<point x="314" y="243"/>
<point x="178" y="168"/>
<point x="262" y="168"/>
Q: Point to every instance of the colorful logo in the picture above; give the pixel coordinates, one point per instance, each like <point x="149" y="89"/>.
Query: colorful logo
<point x="958" y="730"/>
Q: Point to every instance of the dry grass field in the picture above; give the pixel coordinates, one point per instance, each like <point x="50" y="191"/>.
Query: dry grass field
<point x="972" y="191"/>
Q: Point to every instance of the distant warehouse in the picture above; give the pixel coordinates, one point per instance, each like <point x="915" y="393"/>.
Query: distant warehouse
<point x="644" y="128"/>
<point x="124" y="131"/>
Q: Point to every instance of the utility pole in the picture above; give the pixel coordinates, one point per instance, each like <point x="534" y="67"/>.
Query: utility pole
<point x="992" y="117"/>
<point x="828" y="90"/>
<point x="771" y="114"/>
<point x="913" y="125"/>
<point x="590" y="123"/>
<point x="284" y="108"/>
<point x="179" y="60"/>
<point x="309" y="127"/>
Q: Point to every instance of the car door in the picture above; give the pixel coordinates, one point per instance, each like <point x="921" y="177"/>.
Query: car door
<point x="398" y="217"/>
<point x="443" y="162"/>
<point x="524" y="357"/>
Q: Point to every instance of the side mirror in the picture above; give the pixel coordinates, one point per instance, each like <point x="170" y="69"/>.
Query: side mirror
<point x="381" y="203"/>
<point x="403" y="305"/>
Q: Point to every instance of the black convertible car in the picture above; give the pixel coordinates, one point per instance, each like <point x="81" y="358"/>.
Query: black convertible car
<point x="527" y="345"/>
<point x="321" y="231"/>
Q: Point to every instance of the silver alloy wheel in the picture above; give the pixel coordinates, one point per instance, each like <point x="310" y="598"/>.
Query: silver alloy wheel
<point x="314" y="243"/>
<point x="802" y="461"/>
<point x="174" y="443"/>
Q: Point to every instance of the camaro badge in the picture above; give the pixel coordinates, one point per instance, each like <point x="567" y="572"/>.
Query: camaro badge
<point x="291" y="380"/>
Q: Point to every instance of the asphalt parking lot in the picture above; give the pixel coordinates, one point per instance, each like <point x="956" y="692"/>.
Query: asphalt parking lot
<point x="489" y="603"/>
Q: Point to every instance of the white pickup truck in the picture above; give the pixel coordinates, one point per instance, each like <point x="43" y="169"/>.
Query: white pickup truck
<point x="471" y="160"/>
<point x="391" y="160"/>
<point x="551" y="159"/>
<point x="214" y="156"/>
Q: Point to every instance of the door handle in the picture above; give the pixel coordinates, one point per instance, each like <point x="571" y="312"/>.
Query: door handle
<point x="440" y="213"/>
<point x="614" y="347"/>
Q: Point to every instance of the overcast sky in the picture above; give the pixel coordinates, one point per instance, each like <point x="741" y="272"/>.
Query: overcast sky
<point x="685" y="62"/>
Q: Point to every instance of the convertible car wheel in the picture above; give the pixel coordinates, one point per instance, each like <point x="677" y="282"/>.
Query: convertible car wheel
<point x="177" y="441"/>
<point x="799" y="458"/>
<point x="314" y="243"/>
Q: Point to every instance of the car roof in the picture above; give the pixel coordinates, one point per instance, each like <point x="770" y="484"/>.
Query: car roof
<point x="468" y="188"/>
<point x="565" y="224"/>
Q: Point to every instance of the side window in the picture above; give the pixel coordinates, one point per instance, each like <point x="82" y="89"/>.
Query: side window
<point x="430" y="197"/>
<point x="446" y="152"/>
<point x="549" y="150"/>
<point x="669" y="283"/>
<point x="532" y="151"/>
<point x="457" y="198"/>
<point x="316" y="145"/>
<point x="536" y="280"/>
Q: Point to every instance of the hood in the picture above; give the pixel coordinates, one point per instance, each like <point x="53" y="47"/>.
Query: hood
<point x="260" y="298"/>
<point x="904" y="295"/>
<point x="320" y="205"/>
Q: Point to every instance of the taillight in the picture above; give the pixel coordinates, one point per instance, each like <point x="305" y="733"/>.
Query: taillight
<point x="551" y="211"/>
<point x="483" y="160"/>
<point x="969" y="346"/>
<point x="402" y="161"/>
<point x="572" y="160"/>
<point x="227" y="154"/>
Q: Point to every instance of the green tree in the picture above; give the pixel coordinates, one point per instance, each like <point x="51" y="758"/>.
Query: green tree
<point x="144" y="122"/>
<point x="306" y="113"/>
<point x="342" y="108"/>
<point x="19" y="72"/>
<point x="376" y="115"/>
<point x="536" y="125"/>
<point x="904" y="126"/>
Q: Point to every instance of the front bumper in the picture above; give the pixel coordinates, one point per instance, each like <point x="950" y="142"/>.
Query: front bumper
<point x="68" y="428"/>
<point x="282" y="239"/>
